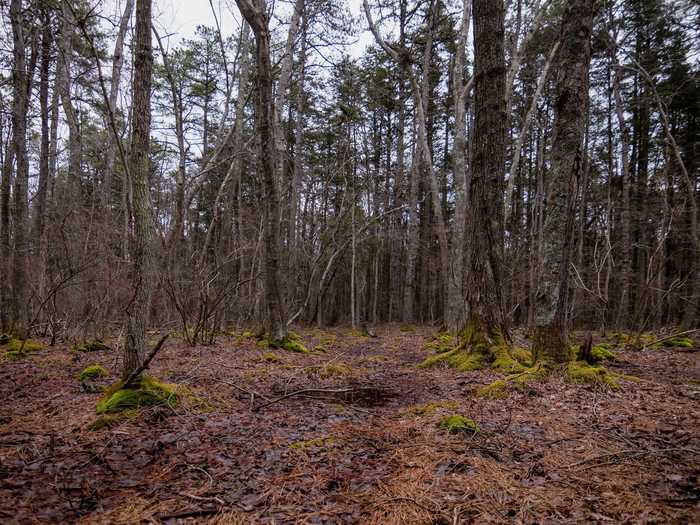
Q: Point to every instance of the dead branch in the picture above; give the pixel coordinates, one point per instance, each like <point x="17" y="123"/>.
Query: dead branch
<point x="136" y="373"/>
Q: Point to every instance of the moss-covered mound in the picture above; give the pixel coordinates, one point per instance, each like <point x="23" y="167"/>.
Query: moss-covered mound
<point x="457" y="424"/>
<point x="582" y="372"/>
<point x="292" y="343"/>
<point x="19" y="348"/>
<point x="96" y="345"/>
<point x="149" y="392"/>
<point x="92" y="372"/>
<point x="500" y="357"/>
<point x="599" y="353"/>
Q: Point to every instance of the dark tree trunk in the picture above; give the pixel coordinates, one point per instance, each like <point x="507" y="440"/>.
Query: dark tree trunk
<point x="484" y="234"/>
<point x="568" y="160"/>
<point x="142" y="247"/>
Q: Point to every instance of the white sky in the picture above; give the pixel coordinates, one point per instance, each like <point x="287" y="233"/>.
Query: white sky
<point x="180" y="18"/>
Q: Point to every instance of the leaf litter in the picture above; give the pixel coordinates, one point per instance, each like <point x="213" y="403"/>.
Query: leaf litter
<point x="277" y="442"/>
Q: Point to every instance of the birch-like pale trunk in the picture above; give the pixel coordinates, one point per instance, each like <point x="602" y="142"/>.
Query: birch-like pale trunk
<point x="456" y="312"/>
<point x="117" y="64"/>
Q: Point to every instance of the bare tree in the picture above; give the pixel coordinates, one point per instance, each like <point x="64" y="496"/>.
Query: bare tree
<point x="144" y="235"/>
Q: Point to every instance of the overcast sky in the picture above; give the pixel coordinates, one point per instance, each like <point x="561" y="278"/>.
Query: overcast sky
<point x="181" y="17"/>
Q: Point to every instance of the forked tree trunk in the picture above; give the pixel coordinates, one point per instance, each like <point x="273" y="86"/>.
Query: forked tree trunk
<point x="254" y="11"/>
<point x="486" y="319"/>
<point x="142" y="246"/>
<point x="568" y="160"/>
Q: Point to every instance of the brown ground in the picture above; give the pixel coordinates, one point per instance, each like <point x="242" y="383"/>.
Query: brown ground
<point x="558" y="453"/>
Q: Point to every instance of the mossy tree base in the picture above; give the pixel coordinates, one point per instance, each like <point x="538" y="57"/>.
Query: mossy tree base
<point x="292" y="343"/>
<point x="579" y="372"/>
<point x="478" y="350"/>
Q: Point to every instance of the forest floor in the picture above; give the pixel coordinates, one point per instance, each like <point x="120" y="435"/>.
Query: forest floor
<point x="554" y="452"/>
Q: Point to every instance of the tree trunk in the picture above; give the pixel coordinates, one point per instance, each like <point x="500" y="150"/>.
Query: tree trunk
<point x="568" y="159"/>
<point x="143" y="243"/>
<point x="117" y="63"/>
<point x="486" y="319"/>
<point x="456" y="312"/>
<point x="20" y="85"/>
<point x="256" y="15"/>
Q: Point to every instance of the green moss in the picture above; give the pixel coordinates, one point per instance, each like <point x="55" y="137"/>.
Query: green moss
<point x="320" y="348"/>
<point x="92" y="372"/>
<point x="521" y="355"/>
<point x="504" y="361"/>
<point x="295" y="346"/>
<point x="248" y="334"/>
<point x="318" y="442"/>
<point x="357" y="333"/>
<point x="270" y="357"/>
<point x="17" y="348"/>
<point x="408" y="328"/>
<point x="582" y="372"/>
<point x="293" y="336"/>
<point x="432" y="407"/>
<point x="457" y="424"/>
<point x="602" y="353"/>
<point x="496" y="390"/>
<point x="95" y="345"/>
<point x="150" y="392"/>
<point x="679" y="342"/>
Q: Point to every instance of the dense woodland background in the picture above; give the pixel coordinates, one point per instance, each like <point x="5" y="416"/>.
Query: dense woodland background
<point x="371" y="157"/>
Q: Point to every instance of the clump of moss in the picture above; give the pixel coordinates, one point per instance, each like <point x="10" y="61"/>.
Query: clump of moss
<point x="334" y="370"/>
<point x="294" y="346"/>
<point x="495" y="390"/>
<point x="357" y="333"/>
<point x="430" y="408"/>
<point x="318" y="442"/>
<point x="440" y="343"/>
<point x="407" y="328"/>
<point x="679" y="342"/>
<point x="92" y="372"/>
<point x="95" y="345"/>
<point x="521" y="355"/>
<point x="504" y="362"/>
<point x="270" y="357"/>
<point x="19" y="348"/>
<point x="582" y="372"/>
<point x="149" y="392"/>
<point x="320" y="348"/>
<point x="457" y="424"/>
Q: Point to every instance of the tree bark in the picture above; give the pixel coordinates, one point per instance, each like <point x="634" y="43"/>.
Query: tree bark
<point x="143" y="242"/>
<point x="254" y="11"/>
<point x="568" y="159"/>
<point x="486" y="318"/>
<point x="20" y="87"/>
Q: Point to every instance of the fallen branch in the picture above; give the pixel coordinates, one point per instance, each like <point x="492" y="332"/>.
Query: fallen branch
<point x="137" y="373"/>
<point x="673" y="336"/>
